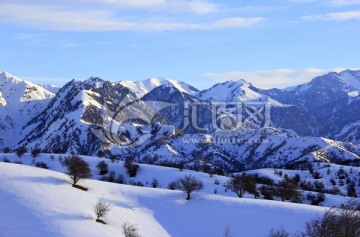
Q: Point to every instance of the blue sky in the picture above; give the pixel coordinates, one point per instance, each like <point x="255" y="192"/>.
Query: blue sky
<point x="269" y="43"/>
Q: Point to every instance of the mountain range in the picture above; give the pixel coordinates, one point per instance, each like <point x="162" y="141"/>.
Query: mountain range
<point x="168" y="122"/>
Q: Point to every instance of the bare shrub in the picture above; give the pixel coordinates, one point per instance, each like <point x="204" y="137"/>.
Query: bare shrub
<point x="278" y="233"/>
<point x="337" y="222"/>
<point x="102" y="167"/>
<point x="101" y="210"/>
<point x="287" y="190"/>
<point x="228" y="232"/>
<point x="41" y="165"/>
<point x="21" y="151"/>
<point x="130" y="230"/>
<point x="131" y="167"/>
<point x="35" y="152"/>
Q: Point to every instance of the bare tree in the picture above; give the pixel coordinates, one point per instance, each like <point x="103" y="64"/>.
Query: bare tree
<point x="336" y="222"/>
<point x="101" y="210"/>
<point x="131" y="167"/>
<point x="77" y="169"/>
<point x="35" y="152"/>
<point x="240" y="184"/>
<point x="321" y="226"/>
<point x="188" y="184"/>
<point x="286" y="190"/>
<point x="21" y="151"/>
<point x="349" y="219"/>
<point x="130" y="230"/>
<point x="6" y="149"/>
<point x="228" y="232"/>
<point x="102" y="167"/>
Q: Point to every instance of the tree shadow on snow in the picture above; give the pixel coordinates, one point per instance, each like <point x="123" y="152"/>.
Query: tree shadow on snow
<point x="74" y="217"/>
<point x="44" y="180"/>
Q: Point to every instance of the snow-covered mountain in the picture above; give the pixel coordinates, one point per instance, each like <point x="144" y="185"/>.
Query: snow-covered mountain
<point x="20" y="101"/>
<point x="65" y="124"/>
<point x="329" y="102"/>
<point x="157" y="115"/>
<point x="140" y="88"/>
<point x="320" y="91"/>
<point x="77" y="117"/>
<point x="235" y="91"/>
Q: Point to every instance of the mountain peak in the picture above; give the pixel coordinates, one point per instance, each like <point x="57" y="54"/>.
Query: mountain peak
<point x="94" y="81"/>
<point x="240" y="81"/>
<point x="4" y="76"/>
<point x="234" y="91"/>
<point x="143" y="87"/>
<point x="20" y="101"/>
<point x="348" y="79"/>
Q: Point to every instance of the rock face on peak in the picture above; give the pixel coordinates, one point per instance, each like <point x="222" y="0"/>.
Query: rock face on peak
<point x="231" y="126"/>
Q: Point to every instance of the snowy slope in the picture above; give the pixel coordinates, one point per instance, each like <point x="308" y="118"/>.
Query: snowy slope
<point x="52" y="88"/>
<point x="140" y="88"/>
<point x="349" y="79"/>
<point x="321" y="90"/>
<point x="44" y="199"/>
<point x="20" y="101"/>
<point x="81" y="107"/>
<point x="234" y="91"/>
<point x="65" y="123"/>
<point x="247" y="149"/>
<point x="350" y="133"/>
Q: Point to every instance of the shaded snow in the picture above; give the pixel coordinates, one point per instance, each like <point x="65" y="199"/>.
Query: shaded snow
<point x="67" y="211"/>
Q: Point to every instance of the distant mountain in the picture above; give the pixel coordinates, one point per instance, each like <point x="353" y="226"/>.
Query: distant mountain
<point x="235" y="91"/>
<point x="320" y="91"/>
<point x="141" y="88"/>
<point x="168" y="122"/>
<point x="328" y="102"/>
<point x="20" y="101"/>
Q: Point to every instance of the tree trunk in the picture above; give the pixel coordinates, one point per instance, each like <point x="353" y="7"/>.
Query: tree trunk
<point x="188" y="196"/>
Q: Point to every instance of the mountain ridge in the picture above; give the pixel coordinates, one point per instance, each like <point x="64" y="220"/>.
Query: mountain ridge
<point x="299" y="118"/>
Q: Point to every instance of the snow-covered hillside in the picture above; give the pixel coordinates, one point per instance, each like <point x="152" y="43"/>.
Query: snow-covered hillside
<point x="20" y="101"/>
<point x="350" y="133"/>
<point x="46" y="204"/>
